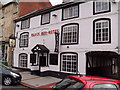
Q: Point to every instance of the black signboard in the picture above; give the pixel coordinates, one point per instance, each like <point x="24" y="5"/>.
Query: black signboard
<point x="56" y="42"/>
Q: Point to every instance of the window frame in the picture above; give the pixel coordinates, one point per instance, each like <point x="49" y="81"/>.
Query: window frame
<point x="23" y="60"/>
<point x="109" y="31"/>
<point x="27" y="40"/>
<point x="28" y="26"/>
<point x="100" y="12"/>
<point x="69" y="17"/>
<point x="42" y="19"/>
<point x="69" y="53"/>
<point x="77" y="34"/>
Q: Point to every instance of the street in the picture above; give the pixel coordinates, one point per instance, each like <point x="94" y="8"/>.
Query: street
<point x="15" y="87"/>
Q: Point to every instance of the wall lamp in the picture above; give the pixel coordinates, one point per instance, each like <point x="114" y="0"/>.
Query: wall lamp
<point x="54" y="15"/>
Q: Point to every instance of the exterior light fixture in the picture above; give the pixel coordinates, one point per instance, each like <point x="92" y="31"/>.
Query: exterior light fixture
<point x="54" y="15"/>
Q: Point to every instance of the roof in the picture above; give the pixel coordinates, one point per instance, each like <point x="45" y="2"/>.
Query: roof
<point x="40" y="48"/>
<point x="42" y="11"/>
<point x="86" y="79"/>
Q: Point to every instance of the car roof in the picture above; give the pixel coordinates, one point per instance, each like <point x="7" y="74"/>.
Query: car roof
<point x="86" y="79"/>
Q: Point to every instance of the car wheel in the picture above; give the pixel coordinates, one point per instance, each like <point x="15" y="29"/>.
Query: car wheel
<point x="7" y="80"/>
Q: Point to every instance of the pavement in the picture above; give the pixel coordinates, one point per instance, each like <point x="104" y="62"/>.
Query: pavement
<point x="37" y="82"/>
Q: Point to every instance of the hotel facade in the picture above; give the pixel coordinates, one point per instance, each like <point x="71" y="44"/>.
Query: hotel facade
<point x="70" y="38"/>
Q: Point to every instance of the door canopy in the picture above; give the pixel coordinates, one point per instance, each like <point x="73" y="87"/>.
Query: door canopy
<point x="40" y="48"/>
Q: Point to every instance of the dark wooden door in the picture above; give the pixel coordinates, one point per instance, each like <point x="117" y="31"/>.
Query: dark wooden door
<point x="42" y="60"/>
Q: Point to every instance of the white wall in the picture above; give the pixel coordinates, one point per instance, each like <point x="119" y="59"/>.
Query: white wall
<point x="85" y="45"/>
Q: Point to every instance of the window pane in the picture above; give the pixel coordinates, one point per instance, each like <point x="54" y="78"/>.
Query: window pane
<point x="102" y="31"/>
<point x="23" y="60"/>
<point x="45" y="18"/>
<point x="69" y="62"/>
<point x="24" y="40"/>
<point x="70" y="34"/>
<point x="70" y="12"/>
<point x="101" y="5"/>
<point x="25" y="24"/>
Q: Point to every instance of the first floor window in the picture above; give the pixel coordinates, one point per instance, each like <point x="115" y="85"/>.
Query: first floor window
<point x="23" y="60"/>
<point x="69" y="62"/>
<point x="24" y="39"/>
<point x="70" y="34"/>
<point x="102" y="31"/>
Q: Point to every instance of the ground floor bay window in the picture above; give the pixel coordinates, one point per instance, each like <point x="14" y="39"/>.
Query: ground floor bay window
<point x="23" y="60"/>
<point x="69" y="62"/>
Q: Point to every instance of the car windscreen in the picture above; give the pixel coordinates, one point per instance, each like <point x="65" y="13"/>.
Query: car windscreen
<point x="68" y="84"/>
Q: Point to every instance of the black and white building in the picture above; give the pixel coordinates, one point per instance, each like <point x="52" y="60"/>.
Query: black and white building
<point x="70" y="38"/>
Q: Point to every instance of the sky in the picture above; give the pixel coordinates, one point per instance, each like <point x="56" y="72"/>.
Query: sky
<point x="54" y="2"/>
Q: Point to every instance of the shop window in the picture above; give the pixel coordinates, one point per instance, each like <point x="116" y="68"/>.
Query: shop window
<point x="102" y="31"/>
<point x="25" y="24"/>
<point x="70" y="12"/>
<point x="23" y="60"/>
<point x="101" y="6"/>
<point x="53" y="59"/>
<point x="45" y="18"/>
<point x="70" y="34"/>
<point x="69" y="62"/>
<point x="24" y="39"/>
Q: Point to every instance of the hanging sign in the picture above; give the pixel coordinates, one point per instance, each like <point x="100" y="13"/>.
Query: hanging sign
<point x="56" y="42"/>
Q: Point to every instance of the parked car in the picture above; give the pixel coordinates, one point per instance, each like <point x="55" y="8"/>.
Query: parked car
<point x="87" y="82"/>
<point x="8" y="76"/>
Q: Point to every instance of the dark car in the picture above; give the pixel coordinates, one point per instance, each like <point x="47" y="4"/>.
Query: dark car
<point x="8" y="76"/>
<point x="87" y="82"/>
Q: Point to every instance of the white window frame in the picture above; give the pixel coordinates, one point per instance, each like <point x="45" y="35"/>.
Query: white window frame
<point x="102" y="31"/>
<point x="23" y="58"/>
<point x="25" y="24"/>
<point x="24" y="37"/>
<point x="101" y="6"/>
<point x="70" y="34"/>
<point x="45" y="19"/>
<point x="66" y="60"/>
<point x="71" y="12"/>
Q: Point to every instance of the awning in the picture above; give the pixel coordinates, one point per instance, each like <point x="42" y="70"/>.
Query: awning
<point x="40" y="48"/>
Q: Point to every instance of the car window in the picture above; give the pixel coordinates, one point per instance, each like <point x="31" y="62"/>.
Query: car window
<point x="105" y="86"/>
<point x="68" y="84"/>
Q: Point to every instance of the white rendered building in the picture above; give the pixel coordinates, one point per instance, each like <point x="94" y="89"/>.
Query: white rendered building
<point x="70" y="38"/>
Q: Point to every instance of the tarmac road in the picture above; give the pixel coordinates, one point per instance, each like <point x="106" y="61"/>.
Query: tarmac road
<point x="15" y="87"/>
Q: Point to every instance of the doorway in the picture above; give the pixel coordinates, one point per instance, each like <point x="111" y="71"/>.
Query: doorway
<point x="42" y="60"/>
<point x="105" y="64"/>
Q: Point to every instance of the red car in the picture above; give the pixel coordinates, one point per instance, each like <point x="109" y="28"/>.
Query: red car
<point x="87" y="82"/>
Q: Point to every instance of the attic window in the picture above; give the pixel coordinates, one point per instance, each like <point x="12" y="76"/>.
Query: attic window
<point x="25" y="24"/>
<point x="45" y="19"/>
<point x="101" y="6"/>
